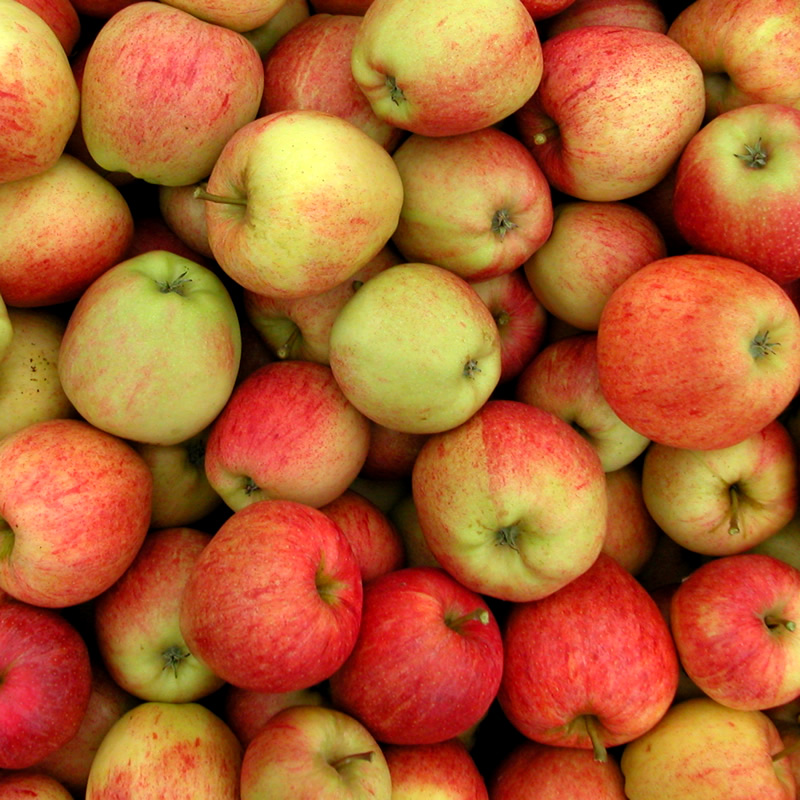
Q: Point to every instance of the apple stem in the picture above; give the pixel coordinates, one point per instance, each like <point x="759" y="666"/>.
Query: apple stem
<point x="734" y="528"/>
<point x="284" y="350"/>
<point x="395" y="92"/>
<point x="755" y="157"/>
<point x="502" y="223"/>
<point x="479" y="614"/>
<point x="774" y="622"/>
<point x="599" y="749"/>
<point x="787" y="751"/>
<point x="202" y="194"/>
<point x="368" y="755"/>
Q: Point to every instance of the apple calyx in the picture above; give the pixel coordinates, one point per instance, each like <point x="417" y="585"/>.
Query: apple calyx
<point x="201" y="194"/>
<point x="507" y="536"/>
<point x="395" y="92"/>
<point x="173" y="656"/>
<point x="342" y="762"/>
<point x="755" y="156"/>
<point x="762" y="346"/>
<point x="773" y="622"/>
<point x="502" y="223"/>
<point x="457" y="623"/>
<point x="250" y="486"/>
<point x="598" y="748"/>
<point x="470" y="368"/>
<point x="176" y="285"/>
<point x="502" y="318"/>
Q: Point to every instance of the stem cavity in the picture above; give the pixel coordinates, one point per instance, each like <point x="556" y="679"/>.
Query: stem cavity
<point x="502" y="223"/>
<point x="395" y="92"/>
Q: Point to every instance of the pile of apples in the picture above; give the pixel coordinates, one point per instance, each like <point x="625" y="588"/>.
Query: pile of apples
<point x="399" y="399"/>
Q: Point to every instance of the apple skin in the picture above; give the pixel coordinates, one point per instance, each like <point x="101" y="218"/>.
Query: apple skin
<point x="719" y="183"/>
<point x="180" y="750"/>
<point x="607" y="134"/>
<point x="32" y="785"/>
<point x="41" y="100"/>
<point x="733" y="624"/>
<point x="513" y="502"/>
<point x="444" y="770"/>
<point x="185" y="215"/>
<point x="435" y="54"/>
<point x="534" y="771"/>
<point x="287" y="432"/>
<point x="30" y="389"/>
<point x="748" y="53"/>
<point x="721" y="502"/>
<point x="136" y="621"/>
<point x="704" y="750"/>
<point x="593" y="247"/>
<point x="95" y="228"/>
<point x="280" y="228"/>
<point x="65" y="486"/>
<point x="151" y="349"/>
<point x="427" y="662"/>
<point x="289" y="15"/>
<point x="240" y="16"/>
<point x="686" y="355"/>
<point x="562" y="379"/>
<point x="521" y="320"/>
<point x="356" y="7"/>
<point x="314" y="753"/>
<point x="157" y="109"/>
<point x="62" y="17"/>
<point x="391" y="453"/>
<point x="71" y="762"/>
<point x="310" y="68"/>
<point x="47" y="680"/>
<point x="646" y="14"/>
<point x="416" y="349"/>
<point x="622" y="668"/>
<point x="376" y="542"/>
<point x="296" y="612"/>
<point x="476" y="203"/>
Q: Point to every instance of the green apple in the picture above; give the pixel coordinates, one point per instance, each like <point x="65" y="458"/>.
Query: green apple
<point x="152" y="348"/>
<point x="416" y="349"/>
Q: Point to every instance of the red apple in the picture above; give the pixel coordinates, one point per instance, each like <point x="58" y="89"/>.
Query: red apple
<point x="647" y="14"/>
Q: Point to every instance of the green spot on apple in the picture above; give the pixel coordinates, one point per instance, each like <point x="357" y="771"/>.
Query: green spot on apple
<point x="395" y="92"/>
<point x="502" y="223"/>
<point x="173" y="656"/>
<point x="762" y="346"/>
<point x="470" y="368"/>
<point x="755" y="156"/>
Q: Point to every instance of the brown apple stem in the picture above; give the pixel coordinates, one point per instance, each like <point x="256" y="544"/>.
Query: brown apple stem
<point x="771" y="621"/>
<point x="734" y="528"/>
<point x="345" y="760"/>
<point x="201" y="194"/>
<point x="787" y="751"/>
<point x="479" y="614"/>
<point x="599" y="749"/>
<point x="286" y="348"/>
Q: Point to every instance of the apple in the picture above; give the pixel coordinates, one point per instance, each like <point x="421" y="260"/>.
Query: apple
<point x="594" y="246"/>
<point x="247" y="711"/>
<point x="40" y="99"/>
<point x="309" y="68"/>
<point x="34" y="785"/>
<point x="725" y="501"/>
<point x="185" y="215"/>
<point x="648" y="14"/>
<point x="534" y="771"/>
<point x="631" y="532"/>
<point x="265" y="36"/>
<point x="62" y="17"/>
<point x="376" y="542"/>
<point x="733" y="621"/>
<point x="46" y="684"/>
<point x="615" y="107"/>
<point x="562" y="379"/>
<point x="157" y="749"/>
<point x="444" y="770"/>
<point x="74" y="511"/>
<point x="298" y="201"/>
<point x="182" y="494"/>
<point x="521" y="319"/>
<point x="151" y="349"/>
<point x="748" y="54"/>
<point x="241" y="16"/>
<point x="404" y="517"/>
<point x="425" y="67"/>
<point x="136" y="621"/>
<point x="30" y="389"/>
<point x="698" y="351"/>
<point x="287" y="432"/>
<point x="163" y="91"/>
<point x="476" y="203"/>
<point x="705" y="750"/>
<point x="783" y="544"/>
<point x="512" y="503"/>
<point x="70" y="763"/>
<point x="391" y="454"/>
<point x="314" y="753"/>
<point x="743" y="158"/>
<point x="544" y="9"/>
<point x="95" y="228"/>
<point x="273" y="603"/>
<point x="299" y="327"/>
<point x="427" y="662"/>
<point x="416" y="349"/>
